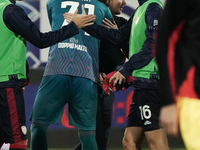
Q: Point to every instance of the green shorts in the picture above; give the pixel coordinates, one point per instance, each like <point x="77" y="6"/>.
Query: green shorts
<point x="57" y="90"/>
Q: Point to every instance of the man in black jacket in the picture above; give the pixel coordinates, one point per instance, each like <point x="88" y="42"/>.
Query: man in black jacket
<point x="110" y="57"/>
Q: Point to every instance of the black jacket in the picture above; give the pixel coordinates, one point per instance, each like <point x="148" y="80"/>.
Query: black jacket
<point x="111" y="56"/>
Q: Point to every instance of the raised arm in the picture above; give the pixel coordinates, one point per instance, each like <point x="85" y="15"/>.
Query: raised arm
<point x="17" y="21"/>
<point x="111" y="36"/>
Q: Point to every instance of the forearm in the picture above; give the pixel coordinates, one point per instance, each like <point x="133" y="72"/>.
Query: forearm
<point x="110" y="36"/>
<point x="138" y="60"/>
<point x="47" y="39"/>
<point x="18" y="22"/>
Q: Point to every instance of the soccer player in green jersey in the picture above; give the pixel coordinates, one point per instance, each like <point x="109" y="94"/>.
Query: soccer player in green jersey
<point x="70" y="77"/>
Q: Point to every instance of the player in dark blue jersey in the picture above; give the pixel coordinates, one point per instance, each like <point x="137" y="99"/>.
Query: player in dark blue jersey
<point x="70" y="77"/>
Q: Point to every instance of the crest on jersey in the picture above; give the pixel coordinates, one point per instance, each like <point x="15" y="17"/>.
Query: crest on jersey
<point x="24" y="130"/>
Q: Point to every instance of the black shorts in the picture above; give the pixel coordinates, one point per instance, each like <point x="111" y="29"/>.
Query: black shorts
<point x="145" y="109"/>
<point x="12" y="115"/>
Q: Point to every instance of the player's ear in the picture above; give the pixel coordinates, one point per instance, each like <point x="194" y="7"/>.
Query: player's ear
<point x="107" y="3"/>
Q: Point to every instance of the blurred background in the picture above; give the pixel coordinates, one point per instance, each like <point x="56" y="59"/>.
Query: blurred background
<point x="63" y="135"/>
